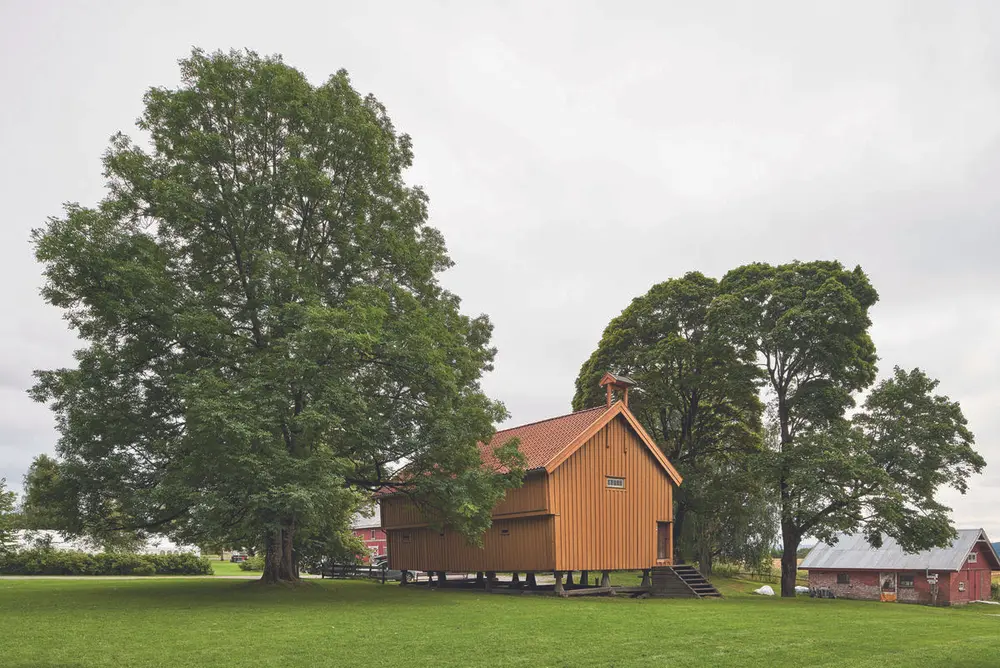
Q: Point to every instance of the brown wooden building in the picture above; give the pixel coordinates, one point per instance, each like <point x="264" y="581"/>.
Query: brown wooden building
<point x="597" y="496"/>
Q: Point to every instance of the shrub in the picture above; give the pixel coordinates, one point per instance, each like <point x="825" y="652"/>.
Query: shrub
<point x="995" y="591"/>
<point x="67" y="562"/>
<point x="254" y="563"/>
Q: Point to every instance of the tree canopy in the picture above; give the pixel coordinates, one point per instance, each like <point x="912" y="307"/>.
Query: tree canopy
<point x="265" y="334"/>
<point x="807" y="324"/>
<point x="750" y="386"/>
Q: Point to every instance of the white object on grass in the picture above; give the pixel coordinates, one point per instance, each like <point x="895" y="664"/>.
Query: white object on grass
<point x="765" y="591"/>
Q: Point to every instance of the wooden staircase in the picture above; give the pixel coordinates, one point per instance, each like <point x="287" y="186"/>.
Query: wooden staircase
<point x="681" y="582"/>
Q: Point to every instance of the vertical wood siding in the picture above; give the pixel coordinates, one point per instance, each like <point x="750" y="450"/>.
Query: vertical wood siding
<point x="530" y="496"/>
<point x="599" y="528"/>
<point x="528" y="545"/>
<point x="399" y="511"/>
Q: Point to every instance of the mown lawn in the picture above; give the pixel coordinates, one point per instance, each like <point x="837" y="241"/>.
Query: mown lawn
<point x="204" y="621"/>
<point x="228" y="568"/>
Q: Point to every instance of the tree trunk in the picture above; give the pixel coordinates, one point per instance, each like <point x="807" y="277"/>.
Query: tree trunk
<point x="789" y="559"/>
<point x="279" y="561"/>
<point x="790" y="537"/>
<point x="705" y="562"/>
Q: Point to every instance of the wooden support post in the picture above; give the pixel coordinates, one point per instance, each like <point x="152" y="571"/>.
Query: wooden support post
<point x="530" y="579"/>
<point x="490" y="579"/>
<point x="479" y="577"/>
<point x="605" y="578"/>
<point x="442" y="579"/>
<point x="585" y="578"/>
<point x="403" y="577"/>
<point x="515" y="583"/>
<point x="645" y="578"/>
<point x="559" y="584"/>
<point x="569" y="578"/>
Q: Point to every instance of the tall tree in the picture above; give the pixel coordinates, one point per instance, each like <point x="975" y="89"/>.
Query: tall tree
<point x="697" y="396"/>
<point x="808" y="324"/>
<point x="265" y="332"/>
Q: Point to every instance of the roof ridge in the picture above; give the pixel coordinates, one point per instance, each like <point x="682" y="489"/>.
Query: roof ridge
<point x="557" y="417"/>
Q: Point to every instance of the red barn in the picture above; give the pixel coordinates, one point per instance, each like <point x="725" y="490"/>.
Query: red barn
<point x="953" y="575"/>
<point x="369" y="529"/>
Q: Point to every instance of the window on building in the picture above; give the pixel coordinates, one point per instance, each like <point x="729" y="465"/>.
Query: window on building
<point x="973" y="557"/>
<point x="374" y="534"/>
<point x="504" y="532"/>
<point x="616" y="483"/>
<point x="406" y="538"/>
<point x="961" y="586"/>
<point x="906" y="581"/>
<point x="843" y="578"/>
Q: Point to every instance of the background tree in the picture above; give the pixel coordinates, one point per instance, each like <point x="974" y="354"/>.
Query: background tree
<point x="696" y="395"/>
<point x="46" y="503"/>
<point x="8" y="517"/>
<point x="265" y="332"/>
<point x="808" y="323"/>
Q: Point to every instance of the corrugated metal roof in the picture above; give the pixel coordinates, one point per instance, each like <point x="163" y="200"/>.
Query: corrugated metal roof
<point x="852" y="551"/>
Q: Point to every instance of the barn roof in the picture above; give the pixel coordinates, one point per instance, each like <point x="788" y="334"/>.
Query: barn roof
<point x="548" y="443"/>
<point x="852" y="551"/>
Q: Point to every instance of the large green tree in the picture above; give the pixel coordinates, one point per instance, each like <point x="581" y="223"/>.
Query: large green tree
<point x="697" y="396"/>
<point x="808" y="326"/>
<point x="265" y="334"/>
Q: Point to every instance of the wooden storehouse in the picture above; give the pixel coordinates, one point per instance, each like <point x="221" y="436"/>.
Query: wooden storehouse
<point x="597" y="497"/>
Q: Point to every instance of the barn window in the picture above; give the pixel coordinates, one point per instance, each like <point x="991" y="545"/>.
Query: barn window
<point x="843" y="578"/>
<point x="373" y="534"/>
<point x="973" y="557"/>
<point x="616" y="483"/>
<point x="406" y="537"/>
<point x="906" y="581"/>
<point x="961" y="586"/>
<point x="504" y="532"/>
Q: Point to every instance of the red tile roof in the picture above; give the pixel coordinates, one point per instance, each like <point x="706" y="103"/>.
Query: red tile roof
<point x="542" y="441"/>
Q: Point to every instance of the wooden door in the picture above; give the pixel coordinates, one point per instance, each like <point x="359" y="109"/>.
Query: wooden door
<point x="662" y="541"/>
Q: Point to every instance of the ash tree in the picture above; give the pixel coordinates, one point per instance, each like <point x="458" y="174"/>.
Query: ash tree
<point x="265" y="336"/>
<point x="877" y="470"/>
<point x="697" y="395"/>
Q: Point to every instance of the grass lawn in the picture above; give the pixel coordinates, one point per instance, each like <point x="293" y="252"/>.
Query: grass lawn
<point x="229" y="568"/>
<point x="198" y="622"/>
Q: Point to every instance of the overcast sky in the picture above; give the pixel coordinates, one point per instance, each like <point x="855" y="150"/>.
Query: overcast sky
<point x="577" y="153"/>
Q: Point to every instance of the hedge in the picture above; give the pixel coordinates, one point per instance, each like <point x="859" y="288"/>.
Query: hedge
<point x="66" y="562"/>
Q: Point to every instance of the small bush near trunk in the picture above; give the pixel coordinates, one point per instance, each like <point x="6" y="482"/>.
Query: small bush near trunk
<point x="255" y="563"/>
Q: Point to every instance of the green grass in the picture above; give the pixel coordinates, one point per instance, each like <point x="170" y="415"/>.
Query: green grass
<point x="229" y="568"/>
<point x="198" y="622"/>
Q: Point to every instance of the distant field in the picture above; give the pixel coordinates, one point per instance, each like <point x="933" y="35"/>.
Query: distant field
<point x="204" y="621"/>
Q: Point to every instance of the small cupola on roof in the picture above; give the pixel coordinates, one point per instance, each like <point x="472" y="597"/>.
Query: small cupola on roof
<point x="614" y="381"/>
